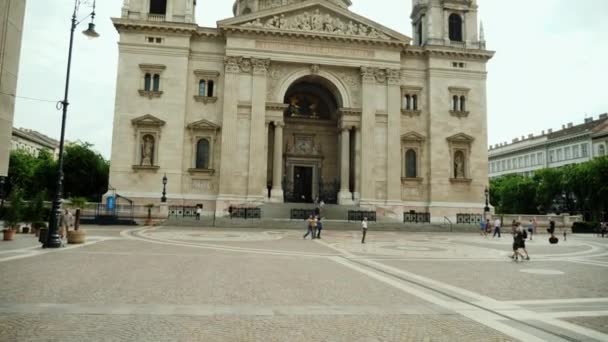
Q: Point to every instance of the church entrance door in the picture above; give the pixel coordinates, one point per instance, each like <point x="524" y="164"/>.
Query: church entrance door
<point x="303" y="181"/>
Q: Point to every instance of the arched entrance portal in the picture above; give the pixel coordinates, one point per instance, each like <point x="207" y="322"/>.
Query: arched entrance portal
<point x="312" y="163"/>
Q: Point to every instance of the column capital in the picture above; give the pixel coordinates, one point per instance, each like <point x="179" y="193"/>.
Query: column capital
<point x="260" y="66"/>
<point x="279" y="124"/>
<point x="368" y="74"/>
<point x="394" y="76"/>
<point x="231" y="64"/>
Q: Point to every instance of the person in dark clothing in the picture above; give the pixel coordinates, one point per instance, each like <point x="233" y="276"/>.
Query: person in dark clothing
<point x="319" y="227"/>
<point x="519" y="243"/>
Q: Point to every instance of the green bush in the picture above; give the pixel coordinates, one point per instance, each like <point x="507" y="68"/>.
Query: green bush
<point x="585" y="227"/>
<point x="14" y="213"/>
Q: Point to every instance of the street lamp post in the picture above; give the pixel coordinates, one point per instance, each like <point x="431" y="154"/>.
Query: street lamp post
<point x="164" y="198"/>
<point x="53" y="240"/>
<point x="486" y="209"/>
<point x="2" y="191"/>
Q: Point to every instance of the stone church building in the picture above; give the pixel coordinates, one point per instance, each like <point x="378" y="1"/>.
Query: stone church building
<point x="302" y="100"/>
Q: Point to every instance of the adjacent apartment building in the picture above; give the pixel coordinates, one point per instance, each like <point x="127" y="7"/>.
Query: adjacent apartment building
<point x="33" y="142"/>
<point x="570" y="145"/>
<point x="12" y="13"/>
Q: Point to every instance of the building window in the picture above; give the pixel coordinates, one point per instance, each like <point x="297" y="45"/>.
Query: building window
<point x="148" y="82"/>
<point x="551" y="156"/>
<point x="503" y="165"/>
<point x="202" y="154"/>
<point x="575" y="151"/>
<point x="560" y="155"/>
<point x="455" y="103"/>
<point x="533" y="160"/>
<point x="509" y="164"/>
<point x="540" y="158"/>
<point x="567" y="153"/>
<point x="459" y="102"/>
<point x="585" y="150"/>
<point x="410" y="96"/>
<point x="151" y="86"/>
<point x="207" y="82"/>
<point x="601" y="150"/>
<point x="419" y="32"/>
<point x="462" y="103"/>
<point x="520" y="160"/>
<point x="527" y="161"/>
<point x="455" y="22"/>
<point x="410" y="164"/>
<point x="158" y="7"/>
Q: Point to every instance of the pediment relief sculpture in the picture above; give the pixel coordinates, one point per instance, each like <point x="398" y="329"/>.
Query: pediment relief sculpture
<point x="317" y="21"/>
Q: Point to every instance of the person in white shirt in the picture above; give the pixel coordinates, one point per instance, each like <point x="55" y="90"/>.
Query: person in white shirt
<point x="199" y="212"/>
<point x="364" y="229"/>
<point x="496" y="228"/>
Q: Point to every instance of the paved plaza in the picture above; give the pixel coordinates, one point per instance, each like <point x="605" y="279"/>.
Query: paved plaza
<point x="186" y="284"/>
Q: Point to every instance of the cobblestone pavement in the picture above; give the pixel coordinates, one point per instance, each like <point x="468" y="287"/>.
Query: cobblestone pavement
<point x="180" y="284"/>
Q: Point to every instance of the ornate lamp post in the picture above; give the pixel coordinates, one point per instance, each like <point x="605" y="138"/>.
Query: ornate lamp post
<point x="53" y="240"/>
<point x="2" y="192"/>
<point x="486" y="209"/>
<point x="164" y="198"/>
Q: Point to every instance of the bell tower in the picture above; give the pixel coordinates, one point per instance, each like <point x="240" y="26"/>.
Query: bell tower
<point x="179" y="11"/>
<point x="446" y="22"/>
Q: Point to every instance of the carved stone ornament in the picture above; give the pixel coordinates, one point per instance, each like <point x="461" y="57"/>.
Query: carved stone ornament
<point x="380" y="75"/>
<point x="368" y="74"/>
<point x="317" y="21"/>
<point x="314" y="69"/>
<point x="394" y="76"/>
<point x="232" y="64"/>
<point x="260" y="66"/>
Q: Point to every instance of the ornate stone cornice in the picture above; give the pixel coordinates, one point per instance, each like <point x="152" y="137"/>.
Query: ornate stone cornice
<point x="450" y="52"/>
<point x="122" y="25"/>
<point x="394" y="76"/>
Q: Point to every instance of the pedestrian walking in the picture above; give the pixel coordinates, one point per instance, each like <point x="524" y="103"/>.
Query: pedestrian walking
<point x="64" y="223"/>
<point x="309" y="225"/>
<point x="531" y="229"/>
<point x="496" y="228"/>
<point x="482" y="228"/>
<point x="199" y="212"/>
<point x="319" y="228"/>
<point x="364" y="229"/>
<point x="519" y="242"/>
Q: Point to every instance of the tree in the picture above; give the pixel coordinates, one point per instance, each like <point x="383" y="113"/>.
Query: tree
<point x="85" y="172"/>
<point x="549" y="182"/>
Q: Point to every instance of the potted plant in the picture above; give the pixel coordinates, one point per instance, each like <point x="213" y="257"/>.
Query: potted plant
<point x="77" y="235"/>
<point x="13" y="215"/>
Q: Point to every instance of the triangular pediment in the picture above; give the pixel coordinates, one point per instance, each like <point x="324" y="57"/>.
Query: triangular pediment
<point x="147" y="120"/>
<point x="461" y="137"/>
<point x="413" y="136"/>
<point x="203" y="125"/>
<point x="314" y="18"/>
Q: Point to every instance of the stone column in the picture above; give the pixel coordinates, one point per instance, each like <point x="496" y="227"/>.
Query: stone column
<point x="368" y="128"/>
<point x="265" y="166"/>
<point x="277" y="167"/>
<point x="229" y="131"/>
<point x="345" y="197"/>
<point x="393" y="153"/>
<point x="357" y="163"/>
<point x="256" y="140"/>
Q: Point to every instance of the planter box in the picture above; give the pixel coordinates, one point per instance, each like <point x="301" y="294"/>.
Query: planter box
<point x="76" y="236"/>
<point x="9" y="234"/>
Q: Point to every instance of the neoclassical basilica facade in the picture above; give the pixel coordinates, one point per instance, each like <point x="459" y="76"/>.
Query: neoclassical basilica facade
<point x="297" y="100"/>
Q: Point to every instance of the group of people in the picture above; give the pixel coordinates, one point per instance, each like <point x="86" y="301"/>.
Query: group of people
<point x="519" y="242"/>
<point x="314" y="226"/>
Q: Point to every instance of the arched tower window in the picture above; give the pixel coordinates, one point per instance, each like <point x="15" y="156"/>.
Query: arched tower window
<point x="462" y="103"/>
<point x="415" y="102"/>
<point x="247" y="11"/>
<point x="419" y="32"/>
<point x="202" y="154"/>
<point x="410" y="164"/>
<point x="147" y="82"/>
<point x="455" y="22"/>
<point x="455" y="103"/>
<point x="158" y="7"/>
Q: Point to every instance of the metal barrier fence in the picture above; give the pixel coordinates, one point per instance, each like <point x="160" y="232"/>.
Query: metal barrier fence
<point x="414" y="217"/>
<point x="245" y="213"/>
<point x="182" y="211"/>
<point x="356" y="215"/>
<point x="469" y="218"/>
<point x="301" y="214"/>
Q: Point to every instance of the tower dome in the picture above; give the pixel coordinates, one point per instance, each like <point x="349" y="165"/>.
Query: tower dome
<point x="243" y="7"/>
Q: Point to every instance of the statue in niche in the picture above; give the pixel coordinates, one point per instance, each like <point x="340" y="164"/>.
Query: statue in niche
<point x="459" y="165"/>
<point x="147" y="151"/>
<point x="294" y="108"/>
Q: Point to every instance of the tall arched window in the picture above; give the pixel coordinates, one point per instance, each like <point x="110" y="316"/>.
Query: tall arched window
<point x="210" y="86"/>
<point x="410" y="164"/>
<point x="156" y="82"/>
<point x="419" y="33"/>
<point x="408" y="102"/>
<point x="202" y="154"/>
<point x="147" y="82"/>
<point x="462" y="103"/>
<point x="455" y="28"/>
<point x="201" y="88"/>
<point x="415" y="102"/>
<point x="455" y="103"/>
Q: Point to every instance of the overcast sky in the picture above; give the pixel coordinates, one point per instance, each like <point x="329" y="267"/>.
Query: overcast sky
<point x="550" y="66"/>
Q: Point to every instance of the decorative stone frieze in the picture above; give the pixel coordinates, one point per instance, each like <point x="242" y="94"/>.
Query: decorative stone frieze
<point x="231" y="64"/>
<point x="314" y="69"/>
<point x="394" y="76"/>
<point x="368" y="74"/>
<point x="260" y="66"/>
<point x="319" y="20"/>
